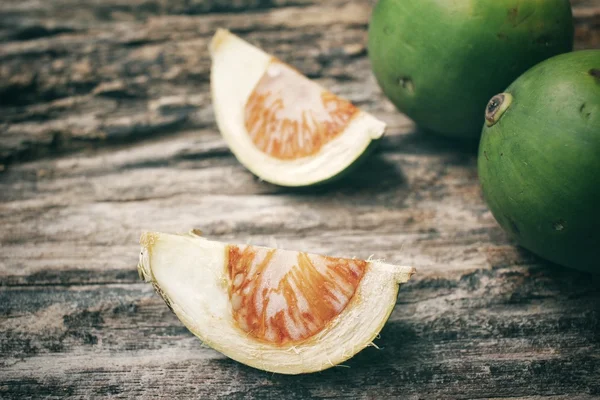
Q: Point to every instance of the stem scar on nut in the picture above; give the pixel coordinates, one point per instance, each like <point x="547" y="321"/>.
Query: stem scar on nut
<point x="496" y="107"/>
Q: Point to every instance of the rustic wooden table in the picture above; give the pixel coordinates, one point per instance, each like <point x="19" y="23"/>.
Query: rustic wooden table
<point x="106" y="129"/>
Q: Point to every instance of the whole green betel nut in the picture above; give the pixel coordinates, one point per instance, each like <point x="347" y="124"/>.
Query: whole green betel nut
<point x="440" y="61"/>
<point x="539" y="159"/>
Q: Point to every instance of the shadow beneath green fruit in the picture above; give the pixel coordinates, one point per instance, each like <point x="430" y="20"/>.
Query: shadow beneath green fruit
<point x="380" y="172"/>
<point x="562" y="278"/>
<point x="422" y="141"/>
<point x="374" y="180"/>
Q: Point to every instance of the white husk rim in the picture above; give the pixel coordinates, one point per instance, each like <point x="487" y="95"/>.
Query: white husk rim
<point x="237" y="67"/>
<point x="188" y="272"/>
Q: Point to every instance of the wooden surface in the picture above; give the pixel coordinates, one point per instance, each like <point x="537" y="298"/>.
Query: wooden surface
<point x="106" y="129"/>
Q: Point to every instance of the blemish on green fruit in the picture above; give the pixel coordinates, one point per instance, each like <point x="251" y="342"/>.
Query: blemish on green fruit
<point x="407" y="84"/>
<point x="559" y="225"/>
<point x="583" y="111"/>
<point x="512" y="14"/>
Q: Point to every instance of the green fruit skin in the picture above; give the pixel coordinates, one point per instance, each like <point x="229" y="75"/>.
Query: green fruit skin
<point x="539" y="165"/>
<point x="459" y="53"/>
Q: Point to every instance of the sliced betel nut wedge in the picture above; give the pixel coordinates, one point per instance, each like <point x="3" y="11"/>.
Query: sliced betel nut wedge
<point x="277" y="310"/>
<point x="283" y="127"/>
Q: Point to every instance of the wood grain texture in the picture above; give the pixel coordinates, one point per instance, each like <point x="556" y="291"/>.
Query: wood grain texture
<point x="106" y="129"/>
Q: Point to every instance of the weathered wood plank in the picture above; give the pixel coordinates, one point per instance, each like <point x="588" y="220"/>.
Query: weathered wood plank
<point x="128" y="75"/>
<point x="446" y="338"/>
<point x="472" y="319"/>
<point x="106" y="129"/>
<point x="423" y="209"/>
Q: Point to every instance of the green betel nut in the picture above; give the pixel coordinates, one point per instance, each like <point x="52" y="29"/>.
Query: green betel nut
<point x="440" y="62"/>
<point x="539" y="159"/>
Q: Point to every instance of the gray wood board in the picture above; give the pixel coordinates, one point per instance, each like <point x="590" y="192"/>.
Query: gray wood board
<point x="106" y="129"/>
